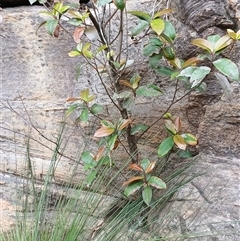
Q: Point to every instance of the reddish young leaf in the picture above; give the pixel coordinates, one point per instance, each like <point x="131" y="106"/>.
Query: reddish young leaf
<point x="204" y="44"/>
<point x="99" y="154"/>
<point x="104" y="131"/>
<point x="150" y="167"/>
<point x="178" y="124"/>
<point x="135" y="167"/>
<point x="125" y="82"/>
<point x="78" y="32"/>
<point x="124" y="124"/>
<point x="190" y="62"/>
<point x="180" y="142"/>
<point x="72" y="99"/>
<point x="132" y="179"/>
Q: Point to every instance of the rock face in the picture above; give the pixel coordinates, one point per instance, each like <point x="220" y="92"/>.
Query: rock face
<point x="37" y="77"/>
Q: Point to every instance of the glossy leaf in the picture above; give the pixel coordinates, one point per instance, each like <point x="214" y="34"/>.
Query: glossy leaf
<point x="148" y="91"/>
<point x="71" y="109"/>
<point x="150" y="49"/>
<point x="187" y="72"/>
<point x="141" y="15"/>
<point x="166" y="145"/>
<point x="222" y="43"/>
<point x="132" y="179"/>
<point x="111" y="142"/>
<point x="138" y="128"/>
<point x="156" y="41"/>
<point x="133" y="187"/>
<point x="213" y="39"/>
<point x="51" y="26"/>
<point x="176" y="62"/>
<point x="190" y="62"/>
<point x="157" y="25"/>
<point x="164" y="70"/>
<point x="135" y="167"/>
<point x="96" y="109"/>
<point x="139" y="28"/>
<point x="228" y="68"/>
<point x="150" y="167"/>
<point x="169" y="30"/>
<point x="190" y="139"/>
<point x="198" y="75"/>
<point x="160" y="13"/>
<point x="104" y="131"/>
<point x="120" y="4"/>
<point x="84" y="95"/>
<point x="180" y="142"/>
<point x="144" y="163"/>
<point x="135" y="81"/>
<point x="170" y="126"/>
<point x="124" y="123"/>
<point x="157" y="182"/>
<point x="147" y="194"/>
<point x="74" y="53"/>
<point x="204" y="44"/>
<point x="87" y="157"/>
<point x="84" y="115"/>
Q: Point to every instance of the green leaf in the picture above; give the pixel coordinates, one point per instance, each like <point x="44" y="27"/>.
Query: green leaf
<point x="84" y="115"/>
<point x="190" y="139"/>
<point x="75" y="21"/>
<point x="90" y="177"/>
<point x="166" y="145"/>
<point x="144" y="164"/>
<point x="51" y="26"/>
<point x="148" y="91"/>
<point x="154" y="60"/>
<point x="147" y="194"/>
<point x="87" y="157"/>
<point x="96" y="109"/>
<point x="74" y="53"/>
<point x="120" y="4"/>
<point x="204" y="44"/>
<point x="157" y="182"/>
<point x="198" y="75"/>
<point x="135" y="81"/>
<point x="187" y="72"/>
<point x="213" y="39"/>
<point x="158" y="25"/>
<point x="165" y="70"/>
<point x="71" y="109"/>
<point x="156" y="41"/>
<point x="228" y="68"/>
<point x="141" y="15"/>
<point x="150" y="49"/>
<point x="169" y="30"/>
<point x="138" y="128"/>
<point x="111" y="141"/>
<point x="133" y="187"/>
